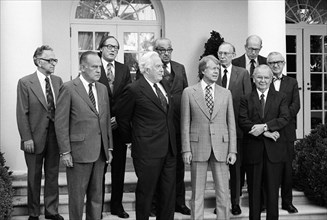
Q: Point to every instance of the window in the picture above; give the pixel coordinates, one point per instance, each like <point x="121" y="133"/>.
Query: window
<point x="310" y="12"/>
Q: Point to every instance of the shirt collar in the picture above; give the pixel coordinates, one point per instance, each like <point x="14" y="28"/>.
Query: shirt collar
<point x="105" y="63"/>
<point x="41" y="76"/>
<point x="248" y="61"/>
<point x="265" y="93"/>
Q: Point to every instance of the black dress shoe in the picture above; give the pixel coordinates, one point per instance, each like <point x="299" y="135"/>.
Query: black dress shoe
<point x="33" y="218"/>
<point x="290" y="208"/>
<point x="153" y="213"/>
<point x="54" y="217"/>
<point x="215" y="211"/>
<point x="236" y="210"/>
<point x="183" y="209"/>
<point x="120" y="214"/>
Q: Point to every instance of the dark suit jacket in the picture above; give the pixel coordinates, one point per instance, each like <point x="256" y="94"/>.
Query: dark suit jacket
<point x="240" y="61"/>
<point x="80" y="129"/>
<point x="289" y="87"/>
<point x="239" y="85"/>
<point x="276" y="117"/>
<point x="122" y="78"/>
<point x="32" y="111"/>
<point x="143" y="121"/>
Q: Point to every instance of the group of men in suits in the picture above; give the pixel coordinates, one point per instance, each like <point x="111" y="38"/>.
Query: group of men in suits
<point x="103" y="109"/>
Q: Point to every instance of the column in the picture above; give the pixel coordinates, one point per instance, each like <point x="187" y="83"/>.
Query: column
<point x="267" y="20"/>
<point x="21" y="34"/>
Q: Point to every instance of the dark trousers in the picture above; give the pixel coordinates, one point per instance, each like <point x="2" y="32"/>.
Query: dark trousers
<point x="117" y="172"/>
<point x="286" y="183"/>
<point x="235" y="175"/>
<point x="86" y="179"/>
<point x="267" y="173"/>
<point x="152" y="173"/>
<point x="49" y="158"/>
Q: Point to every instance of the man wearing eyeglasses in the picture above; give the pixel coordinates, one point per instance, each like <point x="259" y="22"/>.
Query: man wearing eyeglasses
<point x="115" y="76"/>
<point x="237" y="80"/>
<point x="175" y="79"/>
<point x="289" y="87"/>
<point x="36" y="104"/>
<point x="251" y="58"/>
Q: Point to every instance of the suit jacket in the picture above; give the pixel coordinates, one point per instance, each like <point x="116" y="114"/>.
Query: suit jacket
<point x="80" y="129"/>
<point x="32" y="112"/>
<point x="276" y="116"/>
<point x="289" y="87"/>
<point x="176" y="90"/>
<point x="143" y="121"/>
<point x="239" y="85"/>
<point x="122" y="78"/>
<point x="240" y="61"/>
<point x="202" y="133"/>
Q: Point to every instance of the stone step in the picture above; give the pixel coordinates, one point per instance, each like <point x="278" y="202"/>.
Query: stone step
<point x="20" y="202"/>
<point x="306" y="212"/>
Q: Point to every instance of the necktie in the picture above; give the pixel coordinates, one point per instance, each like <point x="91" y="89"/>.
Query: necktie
<point x="224" y="81"/>
<point x="91" y="95"/>
<point x="163" y="100"/>
<point x="110" y="76"/>
<point x="209" y="99"/>
<point x="252" y="67"/>
<point x="50" y="100"/>
<point x="262" y="102"/>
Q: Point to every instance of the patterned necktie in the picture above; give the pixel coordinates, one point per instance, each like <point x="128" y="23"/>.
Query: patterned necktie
<point x="209" y="99"/>
<point x="224" y="81"/>
<point x="50" y="100"/>
<point x="262" y="102"/>
<point x="110" y="76"/>
<point x="252" y="67"/>
<point x="91" y="95"/>
<point x="162" y="99"/>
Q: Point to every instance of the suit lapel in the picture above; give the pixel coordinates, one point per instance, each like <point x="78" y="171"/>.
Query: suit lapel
<point x="37" y="90"/>
<point x="118" y="77"/>
<point x="219" y="77"/>
<point x="200" y="100"/>
<point x="100" y="98"/>
<point x="233" y="78"/>
<point x="176" y="69"/>
<point x="148" y="92"/>
<point x="80" y="89"/>
<point x="56" y="86"/>
<point x="269" y="101"/>
<point x="255" y="100"/>
<point x="217" y="102"/>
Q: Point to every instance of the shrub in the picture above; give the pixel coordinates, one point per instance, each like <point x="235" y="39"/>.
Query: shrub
<point x="310" y="165"/>
<point x="6" y="190"/>
<point x="212" y="45"/>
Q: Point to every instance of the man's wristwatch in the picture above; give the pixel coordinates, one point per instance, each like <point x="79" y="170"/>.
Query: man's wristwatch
<point x="265" y="128"/>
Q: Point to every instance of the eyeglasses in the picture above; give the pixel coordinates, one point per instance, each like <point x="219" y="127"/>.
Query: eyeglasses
<point x="110" y="47"/>
<point x="276" y="62"/>
<point x="163" y="50"/>
<point x="52" y="61"/>
<point x="253" y="49"/>
<point x="220" y="53"/>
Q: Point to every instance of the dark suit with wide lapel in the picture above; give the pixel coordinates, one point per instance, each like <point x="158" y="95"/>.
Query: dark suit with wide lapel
<point x="122" y="78"/>
<point x="35" y="123"/>
<point x="239" y="85"/>
<point x="143" y="121"/>
<point x="179" y="83"/>
<point x="85" y="132"/>
<point x="289" y="87"/>
<point x="262" y="156"/>
<point x="240" y="61"/>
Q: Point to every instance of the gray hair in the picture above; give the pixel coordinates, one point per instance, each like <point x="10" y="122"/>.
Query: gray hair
<point x="146" y="60"/>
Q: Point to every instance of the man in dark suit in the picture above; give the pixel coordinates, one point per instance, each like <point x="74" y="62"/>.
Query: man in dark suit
<point x="263" y="115"/>
<point x="289" y="87"/>
<point x="251" y="58"/>
<point x="115" y="76"/>
<point x="176" y="81"/>
<point x="84" y="136"/>
<point x="145" y="119"/>
<point x="37" y="96"/>
<point x="237" y="80"/>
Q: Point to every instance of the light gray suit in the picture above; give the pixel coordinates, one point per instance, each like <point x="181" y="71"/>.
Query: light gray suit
<point x="210" y="139"/>
<point x="87" y="135"/>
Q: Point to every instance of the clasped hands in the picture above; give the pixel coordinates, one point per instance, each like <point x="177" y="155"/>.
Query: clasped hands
<point x="258" y="129"/>
<point x="187" y="158"/>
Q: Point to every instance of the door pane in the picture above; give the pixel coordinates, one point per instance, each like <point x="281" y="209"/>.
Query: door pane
<point x="316" y="119"/>
<point x="316" y="44"/>
<point x="316" y="101"/>
<point x="85" y="41"/>
<point x="316" y="82"/>
<point x="146" y="41"/>
<point x="315" y="61"/>
<point x="291" y="63"/>
<point x="290" y="44"/>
